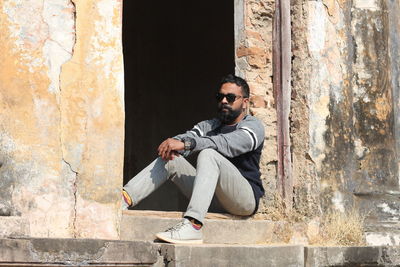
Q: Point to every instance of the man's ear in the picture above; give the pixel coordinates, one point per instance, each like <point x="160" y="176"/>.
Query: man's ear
<point x="246" y="103"/>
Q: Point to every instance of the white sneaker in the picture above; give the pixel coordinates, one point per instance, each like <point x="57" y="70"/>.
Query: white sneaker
<point x="182" y="233"/>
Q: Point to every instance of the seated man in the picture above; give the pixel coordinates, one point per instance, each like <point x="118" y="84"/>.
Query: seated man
<point x="229" y="149"/>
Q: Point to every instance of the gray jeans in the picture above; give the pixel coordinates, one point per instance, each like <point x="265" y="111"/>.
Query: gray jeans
<point x="214" y="175"/>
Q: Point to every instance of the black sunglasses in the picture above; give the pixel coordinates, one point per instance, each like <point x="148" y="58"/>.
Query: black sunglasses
<point x="229" y="97"/>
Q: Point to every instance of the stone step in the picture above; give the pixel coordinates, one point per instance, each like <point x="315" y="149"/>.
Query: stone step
<point x="352" y="256"/>
<point x="232" y="255"/>
<point x="82" y="252"/>
<point x="95" y="252"/>
<point x="217" y="229"/>
<point x="278" y="255"/>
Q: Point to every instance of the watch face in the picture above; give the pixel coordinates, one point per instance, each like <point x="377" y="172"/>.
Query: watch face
<point x="187" y="145"/>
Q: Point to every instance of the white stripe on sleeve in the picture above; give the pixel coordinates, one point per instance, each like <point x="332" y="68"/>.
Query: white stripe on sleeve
<point x="251" y="138"/>
<point x="193" y="132"/>
<point x="198" y="129"/>
<point x="252" y="135"/>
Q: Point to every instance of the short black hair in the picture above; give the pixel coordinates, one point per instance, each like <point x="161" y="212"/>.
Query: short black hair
<point x="231" y="78"/>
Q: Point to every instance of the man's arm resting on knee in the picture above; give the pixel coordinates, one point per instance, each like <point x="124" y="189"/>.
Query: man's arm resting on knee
<point x="199" y="130"/>
<point x="247" y="137"/>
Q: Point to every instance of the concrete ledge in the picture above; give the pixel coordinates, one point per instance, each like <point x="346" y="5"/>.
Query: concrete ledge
<point x="36" y="251"/>
<point x="218" y="229"/>
<point x="232" y="255"/>
<point x="13" y="226"/>
<point x="94" y="252"/>
<point x="352" y="256"/>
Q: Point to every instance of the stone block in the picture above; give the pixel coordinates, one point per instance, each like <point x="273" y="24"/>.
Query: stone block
<point x="216" y="231"/>
<point x="352" y="256"/>
<point x="232" y="255"/>
<point x="82" y="252"/>
<point x="257" y="101"/>
<point x="247" y="51"/>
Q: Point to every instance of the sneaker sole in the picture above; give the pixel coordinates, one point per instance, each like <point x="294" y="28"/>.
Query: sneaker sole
<point x="175" y="241"/>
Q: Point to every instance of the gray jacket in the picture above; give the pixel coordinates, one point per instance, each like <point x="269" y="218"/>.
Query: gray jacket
<point x="240" y="144"/>
<point x="248" y="136"/>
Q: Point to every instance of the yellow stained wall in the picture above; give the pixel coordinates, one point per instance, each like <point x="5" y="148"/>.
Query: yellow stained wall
<point x="62" y="115"/>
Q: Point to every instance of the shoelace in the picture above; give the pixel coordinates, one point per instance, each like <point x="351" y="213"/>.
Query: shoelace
<point x="176" y="227"/>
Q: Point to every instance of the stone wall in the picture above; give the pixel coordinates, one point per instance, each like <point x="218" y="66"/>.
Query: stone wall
<point x="306" y="182"/>
<point x="345" y="108"/>
<point x="61" y="116"/>
<point x="254" y="63"/>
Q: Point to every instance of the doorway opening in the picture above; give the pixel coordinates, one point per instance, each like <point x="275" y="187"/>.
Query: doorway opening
<point x="175" y="53"/>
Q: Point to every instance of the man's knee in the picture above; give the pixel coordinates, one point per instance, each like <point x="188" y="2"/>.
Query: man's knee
<point x="173" y="164"/>
<point x="209" y="153"/>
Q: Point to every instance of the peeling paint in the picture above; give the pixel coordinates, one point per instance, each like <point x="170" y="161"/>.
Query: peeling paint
<point x="59" y="17"/>
<point x="316" y="31"/>
<point x="366" y="4"/>
<point x="387" y="209"/>
<point x="379" y="239"/>
<point x="360" y="150"/>
<point x="337" y="201"/>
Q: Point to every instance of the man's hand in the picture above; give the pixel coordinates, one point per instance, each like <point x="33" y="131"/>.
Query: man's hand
<point x="168" y="149"/>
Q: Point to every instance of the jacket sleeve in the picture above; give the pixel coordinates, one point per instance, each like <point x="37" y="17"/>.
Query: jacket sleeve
<point x="247" y="137"/>
<point x="198" y="130"/>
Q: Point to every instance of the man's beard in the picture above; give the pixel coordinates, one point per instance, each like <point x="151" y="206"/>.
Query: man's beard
<point x="228" y="116"/>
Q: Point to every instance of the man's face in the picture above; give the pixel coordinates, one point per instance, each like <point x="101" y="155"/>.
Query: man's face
<point x="231" y="103"/>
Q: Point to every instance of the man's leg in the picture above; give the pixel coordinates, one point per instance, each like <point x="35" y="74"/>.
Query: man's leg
<point x="216" y="174"/>
<point x="179" y="170"/>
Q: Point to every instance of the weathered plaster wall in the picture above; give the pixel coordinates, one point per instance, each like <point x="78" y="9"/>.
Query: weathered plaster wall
<point x="306" y="189"/>
<point x="348" y="90"/>
<point x="254" y="63"/>
<point x="61" y="118"/>
<point x="93" y="85"/>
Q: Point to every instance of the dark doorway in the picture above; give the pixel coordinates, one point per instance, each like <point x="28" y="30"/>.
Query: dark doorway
<point x="175" y="53"/>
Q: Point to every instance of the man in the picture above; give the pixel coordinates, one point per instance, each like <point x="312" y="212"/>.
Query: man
<point x="229" y="149"/>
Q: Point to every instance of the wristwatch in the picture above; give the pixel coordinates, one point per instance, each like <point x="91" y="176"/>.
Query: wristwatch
<point x="189" y="143"/>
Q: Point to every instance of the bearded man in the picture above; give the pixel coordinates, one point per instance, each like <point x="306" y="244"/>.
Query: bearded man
<point x="229" y="148"/>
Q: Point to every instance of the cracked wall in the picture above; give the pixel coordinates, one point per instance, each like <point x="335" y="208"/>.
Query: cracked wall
<point x="345" y="78"/>
<point x="61" y="91"/>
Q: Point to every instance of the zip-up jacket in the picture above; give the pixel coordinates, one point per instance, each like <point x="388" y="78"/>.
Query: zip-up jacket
<point x="241" y="144"/>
